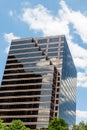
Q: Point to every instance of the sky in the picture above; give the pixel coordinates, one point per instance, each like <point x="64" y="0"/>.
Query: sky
<point x="38" y="18"/>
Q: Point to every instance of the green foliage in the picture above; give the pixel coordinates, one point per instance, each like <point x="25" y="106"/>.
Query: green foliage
<point x="80" y="126"/>
<point x="3" y="126"/>
<point x="57" y="124"/>
<point x="15" y="125"/>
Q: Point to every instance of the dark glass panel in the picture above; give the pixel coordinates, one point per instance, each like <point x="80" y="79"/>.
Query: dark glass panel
<point x="53" y="54"/>
<point x="51" y="45"/>
<point x="42" y="41"/>
<point x="14" y="113"/>
<point x="23" y="51"/>
<point x="53" y="39"/>
<point x="23" y="46"/>
<point x="21" y="42"/>
<point x="43" y="46"/>
<point x="24" y="65"/>
<point x="52" y="49"/>
<point x="28" y="55"/>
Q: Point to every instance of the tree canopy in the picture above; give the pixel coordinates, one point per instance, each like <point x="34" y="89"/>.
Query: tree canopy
<point x="3" y="126"/>
<point x="81" y="126"/>
<point x="55" y="124"/>
<point x="58" y="124"/>
<point x="15" y="125"/>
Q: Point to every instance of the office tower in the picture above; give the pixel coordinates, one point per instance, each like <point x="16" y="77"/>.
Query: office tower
<point x="39" y="82"/>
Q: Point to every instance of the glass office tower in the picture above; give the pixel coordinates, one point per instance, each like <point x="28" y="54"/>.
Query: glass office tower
<point x="39" y="82"/>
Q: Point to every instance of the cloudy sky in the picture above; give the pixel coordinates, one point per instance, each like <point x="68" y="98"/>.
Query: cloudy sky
<point x="37" y="18"/>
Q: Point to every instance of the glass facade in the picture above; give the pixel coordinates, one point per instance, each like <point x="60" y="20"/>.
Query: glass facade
<point x="39" y="82"/>
<point x="67" y="105"/>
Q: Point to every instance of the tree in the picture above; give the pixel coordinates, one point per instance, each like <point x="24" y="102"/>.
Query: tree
<point x="3" y="126"/>
<point x="57" y="124"/>
<point x="80" y="126"/>
<point x="17" y="125"/>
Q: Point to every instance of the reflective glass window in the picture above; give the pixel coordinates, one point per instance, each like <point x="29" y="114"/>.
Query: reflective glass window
<point x="28" y="55"/>
<point x="44" y="105"/>
<point x="22" y="46"/>
<point x="44" y="92"/>
<point x="42" y="41"/>
<point x="23" y="51"/>
<point x="53" y="45"/>
<point x="42" y="46"/>
<point x="52" y="49"/>
<point x="21" y="42"/>
<point x="54" y="39"/>
<point x="53" y="54"/>
<point x="42" y="125"/>
<point x="45" y="98"/>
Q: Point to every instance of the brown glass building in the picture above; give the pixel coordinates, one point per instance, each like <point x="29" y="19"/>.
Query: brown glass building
<point x="39" y="82"/>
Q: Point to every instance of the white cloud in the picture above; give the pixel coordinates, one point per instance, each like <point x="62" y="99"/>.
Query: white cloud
<point x="79" y="55"/>
<point x="8" y="37"/>
<point x="77" y="19"/>
<point x="81" y="115"/>
<point x="82" y="79"/>
<point x="40" y="19"/>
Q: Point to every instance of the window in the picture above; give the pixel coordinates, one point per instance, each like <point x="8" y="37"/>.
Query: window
<point x="51" y="45"/>
<point x="21" y="42"/>
<point x="62" y="38"/>
<point x="54" y="39"/>
<point x="42" y="41"/>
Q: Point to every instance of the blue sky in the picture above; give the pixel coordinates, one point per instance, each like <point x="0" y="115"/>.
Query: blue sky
<point x="34" y="18"/>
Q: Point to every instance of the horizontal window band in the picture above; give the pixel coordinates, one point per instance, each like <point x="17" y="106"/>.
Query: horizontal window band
<point x="25" y="96"/>
<point x="25" y="53"/>
<point x="30" y="41"/>
<point x="27" y="58"/>
<point x="49" y="43"/>
<point x="28" y="73"/>
<point x="35" y="52"/>
<point x="36" y="47"/>
<point x="24" y="109"/>
<point x="12" y="85"/>
<point x="25" y="90"/>
<point x="18" y="79"/>
<point x="22" y="41"/>
<point x="34" y="57"/>
<point x="33" y="83"/>
<point x="22" y="116"/>
<point x="30" y="67"/>
<point x="34" y="62"/>
<point x="25" y="103"/>
<point x="13" y="64"/>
